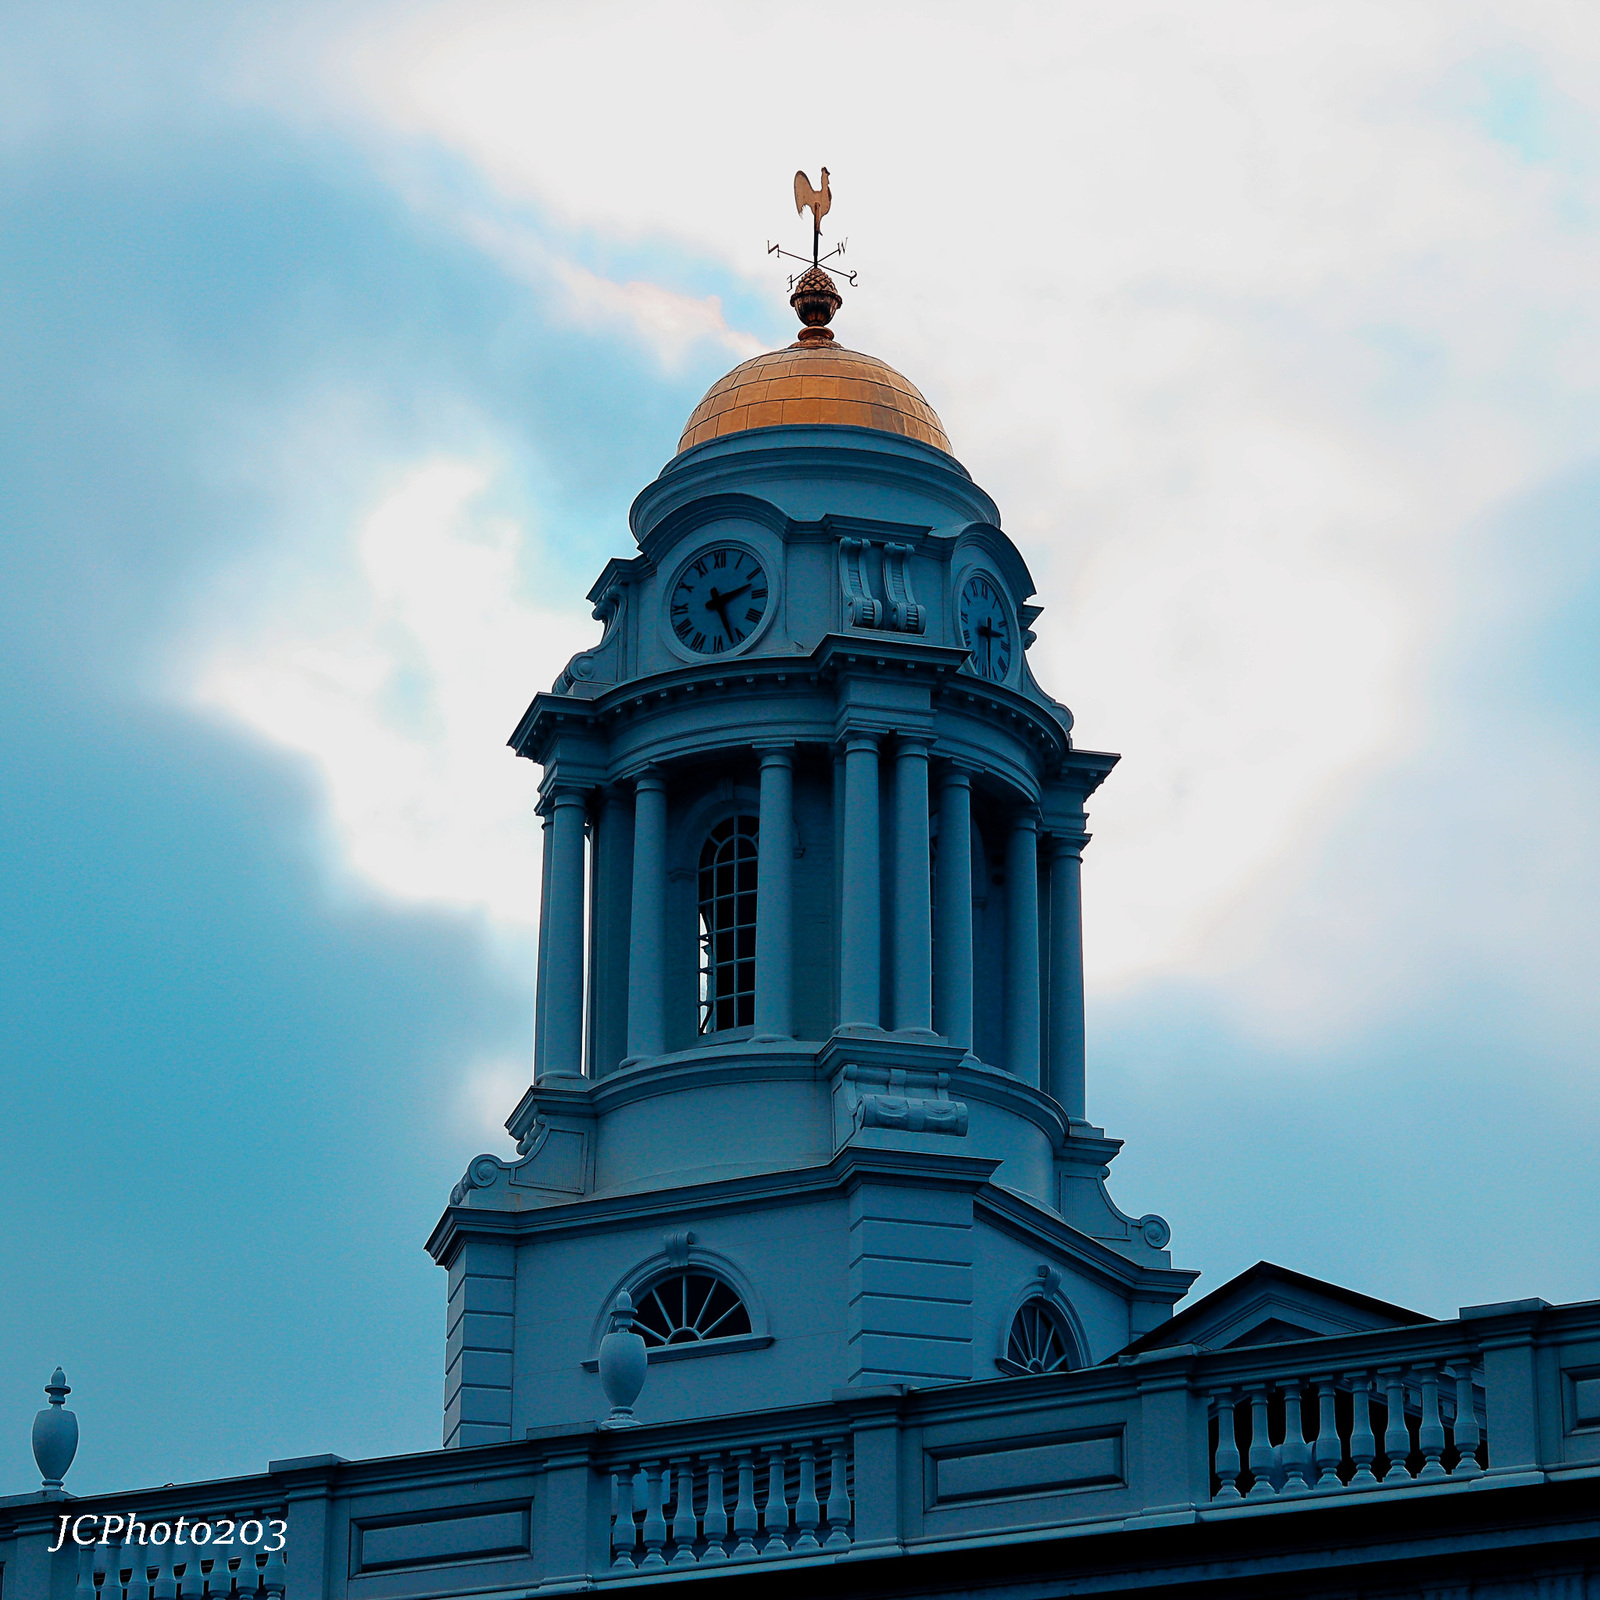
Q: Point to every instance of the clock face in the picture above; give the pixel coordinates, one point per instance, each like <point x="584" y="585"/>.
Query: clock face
<point x="986" y="627"/>
<point x="718" y="601"/>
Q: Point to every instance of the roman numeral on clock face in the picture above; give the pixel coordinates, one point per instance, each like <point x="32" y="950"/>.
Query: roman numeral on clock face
<point x="718" y="599"/>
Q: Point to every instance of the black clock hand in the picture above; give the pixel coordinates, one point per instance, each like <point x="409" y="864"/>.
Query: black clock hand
<point x="719" y="604"/>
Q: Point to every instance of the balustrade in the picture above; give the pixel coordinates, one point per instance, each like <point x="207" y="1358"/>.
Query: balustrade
<point x="1308" y="1433"/>
<point x="141" y="1569"/>
<point x="676" y="1512"/>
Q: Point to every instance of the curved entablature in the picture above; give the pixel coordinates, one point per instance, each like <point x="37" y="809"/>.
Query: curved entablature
<point x="685" y="712"/>
<point x="810" y="471"/>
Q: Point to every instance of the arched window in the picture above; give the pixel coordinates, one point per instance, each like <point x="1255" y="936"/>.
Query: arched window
<point x="687" y="1306"/>
<point x="1040" y="1341"/>
<point x="728" y="926"/>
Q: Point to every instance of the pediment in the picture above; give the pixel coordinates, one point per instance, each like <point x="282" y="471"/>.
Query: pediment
<point x="1269" y="1304"/>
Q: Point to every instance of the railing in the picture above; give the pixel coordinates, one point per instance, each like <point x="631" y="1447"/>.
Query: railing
<point x="702" y="1509"/>
<point x="134" y="1570"/>
<point x="1311" y="1431"/>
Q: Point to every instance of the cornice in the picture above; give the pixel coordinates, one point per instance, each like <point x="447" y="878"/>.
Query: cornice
<point x="861" y="655"/>
<point x="849" y="1167"/>
<point x="1024" y="1218"/>
<point x="816" y="451"/>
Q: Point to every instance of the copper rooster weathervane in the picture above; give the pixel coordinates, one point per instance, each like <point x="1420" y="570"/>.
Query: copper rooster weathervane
<point x="820" y="202"/>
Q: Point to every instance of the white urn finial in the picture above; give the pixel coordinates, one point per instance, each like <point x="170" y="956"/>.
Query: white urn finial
<point x="55" y="1433"/>
<point x="623" y="1363"/>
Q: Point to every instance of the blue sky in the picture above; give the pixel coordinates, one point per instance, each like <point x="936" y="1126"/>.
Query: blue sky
<point x="331" y="355"/>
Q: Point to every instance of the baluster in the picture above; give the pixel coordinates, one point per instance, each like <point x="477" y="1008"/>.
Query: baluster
<point x="1326" y="1452"/>
<point x="275" y="1574"/>
<point x="624" y="1531"/>
<point x="138" y="1559"/>
<point x="1363" y="1447"/>
<point x="1227" y="1448"/>
<point x="1261" y="1458"/>
<point x="838" y="1495"/>
<point x="102" y="1551"/>
<point x="85" y="1585"/>
<point x="166" y="1585"/>
<point x="715" y="1521"/>
<point x="1296" y="1452"/>
<point x="655" y="1525"/>
<point x="1430" y="1436"/>
<point x="776" y="1510"/>
<point x="189" y="1582"/>
<point x="744" y="1509"/>
<point x="685" y="1525"/>
<point x="249" y="1572"/>
<point x="221" y="1578"/>
<point x="1466" y="1428"/>
<point x="1396" y="1436"/>
<point x="807" y="1512"/>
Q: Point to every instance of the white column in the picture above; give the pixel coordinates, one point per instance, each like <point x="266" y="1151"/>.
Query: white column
<point x="953" y="981"/>
<point x="859" y="909"/>
<point x="541" y="986"/>
<point x="647" y="924"/>
<point x="1066" y="1080"/>
<point x="1022" y="948"/>
<point x="774" y="896"/>
<point x="912" y="927"/>
<point x="563" y="968"/>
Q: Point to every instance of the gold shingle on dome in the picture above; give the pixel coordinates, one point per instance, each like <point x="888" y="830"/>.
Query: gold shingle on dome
<point x="814" y="382"/>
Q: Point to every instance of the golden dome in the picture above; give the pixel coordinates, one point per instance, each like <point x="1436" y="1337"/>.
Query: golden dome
<point x="813" y="381"/>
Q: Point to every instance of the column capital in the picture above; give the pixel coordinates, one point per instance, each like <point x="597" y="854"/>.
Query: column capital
<point x="776" y="752"/>
<point x="860" y="740"/>
<point x="566" y="794"/>
<point x="1025" y="818"/>
<point x="650" y="778"/>
<point x="956" y="776"/>
<point x="914" y="744"/>
<point x="1067" y="844"/>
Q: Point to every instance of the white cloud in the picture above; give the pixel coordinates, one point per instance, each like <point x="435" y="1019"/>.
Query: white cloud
<point x="486" y="1096"/>
<point x="1247" y="314"/>
<point x="404" y="687"/>
<point x="669" y="324"/>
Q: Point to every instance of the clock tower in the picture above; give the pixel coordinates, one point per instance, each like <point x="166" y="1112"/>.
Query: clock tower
<point x="809" y="1046"/>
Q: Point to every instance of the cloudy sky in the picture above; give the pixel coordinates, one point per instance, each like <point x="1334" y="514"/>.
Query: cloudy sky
<point x="335" y="341"/>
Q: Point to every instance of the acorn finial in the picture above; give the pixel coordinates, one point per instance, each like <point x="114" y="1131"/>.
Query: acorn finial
<point x="815" y="300"/>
